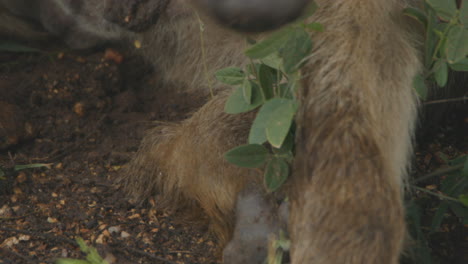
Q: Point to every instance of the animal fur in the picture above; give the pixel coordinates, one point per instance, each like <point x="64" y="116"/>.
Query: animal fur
<point x="80" y="24"/>
<point x="355" y="128"/>
<point x="185" y="163"/>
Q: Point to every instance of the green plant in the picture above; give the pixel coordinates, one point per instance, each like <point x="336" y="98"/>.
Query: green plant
<point x="92" y="256"/>
<point x="451" y="199"/>
<point x="269" y="84"/>
<point x="446" y="41"/>
<point x="277" y="248"/>
<point x="446" y="48"/>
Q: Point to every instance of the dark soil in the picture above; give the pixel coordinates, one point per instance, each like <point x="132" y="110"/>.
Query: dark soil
<point x="84" y="116"/>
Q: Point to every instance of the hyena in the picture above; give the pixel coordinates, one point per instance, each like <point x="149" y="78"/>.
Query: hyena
<point x="354" y="132"/>
<point x="353" y="138"/>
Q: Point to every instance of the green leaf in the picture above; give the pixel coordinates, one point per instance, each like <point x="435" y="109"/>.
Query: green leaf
<point x="464" y="13"/>
<point x="315" y="27"/>
<point x="267" y="77"/>
<point x="445" y="9"/>
<point x="420" y="86"/>
<point x="286" y="91"/>
<point x="441" y="73"/>
<point x="16" y="47"/>
<point x="454" y="184"/>
<point x="287" y="146"/>
<point x="231" y="76"/>
<point x="283" y="241"/>
<point x="273" y="60"/>
<point x="82" y="244"/>
<point x="413" y="218"/>
<point x="92" y="256"/>
<point x="257" y="133"/>
<point x="247" y="91"/>
<point x="439" y="216"/>
<point x="276" y="173"/>
<point x="31" y="166"/>
<point x="269" y="45"/>
<point x="431" y="38"/>
<point x="463" y="199"/>
<point x="278" y="126"/>
<point x="417" y="14"/>
<point x="457" y="44"/>
<point x="462" y="65"/>
<point x="295" y="50"/>
<point x="236" y="103"/>
<point x="460" y="211"/>
<point x="252" y="69"/>
<point x="247" y="156"/>
<point x="420" y="250"/>
<point x="458" y="160"/>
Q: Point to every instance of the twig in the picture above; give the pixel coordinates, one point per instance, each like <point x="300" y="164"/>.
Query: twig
<point x="446" y="100"/>
<point x="438" y="173"/>
<point x="441" y="196"/>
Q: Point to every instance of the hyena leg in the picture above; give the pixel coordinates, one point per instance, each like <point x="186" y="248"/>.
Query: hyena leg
<point x="185" y="163"/>
<point x="354" y="137"/>
<point x="259" y="219"/>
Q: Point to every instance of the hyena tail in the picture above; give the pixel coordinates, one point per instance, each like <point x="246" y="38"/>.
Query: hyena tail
<point x="355" y="129"/>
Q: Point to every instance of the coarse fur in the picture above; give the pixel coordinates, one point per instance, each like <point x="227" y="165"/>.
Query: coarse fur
<point x="354" y="137"/>
<point x="80" y="24"/>
<point x="185" y="162"/>
<point x="355" y="127"/>
<point x="188" y="47"/>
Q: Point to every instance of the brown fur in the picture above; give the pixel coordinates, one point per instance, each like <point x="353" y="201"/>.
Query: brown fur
<point x="185" y="162"/>
<point x="356" y="122"/>
<point x="354" y="132"/>
<point x="175" y="46"/>
<point x="355" y="125"/>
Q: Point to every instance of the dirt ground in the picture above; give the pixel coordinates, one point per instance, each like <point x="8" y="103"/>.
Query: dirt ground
<point x="84" y="115"/>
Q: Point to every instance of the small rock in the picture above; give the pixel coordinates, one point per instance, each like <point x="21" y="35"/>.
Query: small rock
<point x="124" y="234"/>
<point x="114" y="229"/>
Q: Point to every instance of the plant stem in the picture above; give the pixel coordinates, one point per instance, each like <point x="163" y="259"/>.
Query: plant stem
<point x="438" y="173"/>
<point x="441" y="196"/>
